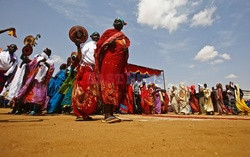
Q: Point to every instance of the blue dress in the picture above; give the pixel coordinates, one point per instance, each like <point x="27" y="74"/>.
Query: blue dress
<point x="54" y="85"/>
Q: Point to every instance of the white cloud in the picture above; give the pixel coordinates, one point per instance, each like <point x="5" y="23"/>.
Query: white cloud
<point x="57" y="59"/>
<point x="231" y="76"/>
<point x="196" y="3"/>
<point x="217" y="61"/>
<point x="203" y="18"/>
<point x="161" y="13"/>
<point x="206" y="53"/>
<point x="171" y="14"/>
<point x="75" y="10"/>
<point x="191" y="66"/>
<point x="225" y="56"/>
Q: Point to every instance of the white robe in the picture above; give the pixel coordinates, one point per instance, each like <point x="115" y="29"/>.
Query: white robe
<point x="208" y="104"/>
<point x="173" y="101"/>
<point x="6" y="64"/>
<point x="43" y="69"/>
<point x="17" y="82"/>
<point x="184" y="99"/>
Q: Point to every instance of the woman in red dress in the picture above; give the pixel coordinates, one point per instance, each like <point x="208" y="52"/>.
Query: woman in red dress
<point x="194" y="103"/>
<point x="129" y="99"/>
<point x="111" y="56"/>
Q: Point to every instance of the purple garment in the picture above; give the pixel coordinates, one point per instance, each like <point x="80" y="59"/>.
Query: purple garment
<point x="27" y="83"/>
<point x="34" y="91"/>
<point x="157" y="103"/>
<point x="40" y="96"/>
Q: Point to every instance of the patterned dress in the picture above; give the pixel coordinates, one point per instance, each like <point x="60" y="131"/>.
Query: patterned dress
<point x="35" y="89"/>
<point x="111" y="57"/>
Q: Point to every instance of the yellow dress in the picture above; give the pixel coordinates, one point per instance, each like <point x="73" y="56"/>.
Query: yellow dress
<point x="240" y="103"/>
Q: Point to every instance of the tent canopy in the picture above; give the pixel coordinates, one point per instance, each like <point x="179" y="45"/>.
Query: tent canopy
<point x="138" y="72"/>
<point x="144" y="71"/>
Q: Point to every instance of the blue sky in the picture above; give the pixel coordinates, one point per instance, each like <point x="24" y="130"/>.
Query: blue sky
<point x="193" y="41"/>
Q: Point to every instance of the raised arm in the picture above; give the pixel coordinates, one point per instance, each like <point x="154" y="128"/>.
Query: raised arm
<point x="5" y="30"/>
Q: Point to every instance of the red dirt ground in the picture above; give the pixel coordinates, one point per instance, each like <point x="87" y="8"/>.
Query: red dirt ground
<point x="158" y="135"/>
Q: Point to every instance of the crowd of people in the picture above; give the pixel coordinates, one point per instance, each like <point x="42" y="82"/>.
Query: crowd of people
<point x="228" y="101"/>
<point x="94" y="81"/>
<point x="85" y="81"/>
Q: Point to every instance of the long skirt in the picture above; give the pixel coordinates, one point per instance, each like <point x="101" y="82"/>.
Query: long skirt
<point x="85" y="92"/>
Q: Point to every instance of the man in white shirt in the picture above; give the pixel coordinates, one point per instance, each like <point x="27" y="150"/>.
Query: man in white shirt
<point x="84" y="97"/>
<point x="8" y="64"/>
<point x="89" y="48"/>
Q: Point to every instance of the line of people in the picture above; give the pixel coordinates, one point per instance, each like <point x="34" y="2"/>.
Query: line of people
<point x="184" y="99"/>
<point x="87" y="80"/>
<point x="93" y="81"/>
<point x="228" y="101"/>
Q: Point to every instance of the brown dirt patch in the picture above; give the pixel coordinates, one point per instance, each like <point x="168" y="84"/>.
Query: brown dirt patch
<point x="60" y="135"/>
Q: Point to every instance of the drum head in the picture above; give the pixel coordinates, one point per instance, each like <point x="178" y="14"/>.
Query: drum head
<point x="78" y="34"/>
<point x="27" y="50"/>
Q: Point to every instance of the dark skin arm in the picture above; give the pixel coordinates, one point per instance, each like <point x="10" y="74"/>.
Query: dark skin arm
<point x="44" y="61"/>
<point x="5" y="30"/>
<point x="79" y="52"/>
<point x="47" y="64"/>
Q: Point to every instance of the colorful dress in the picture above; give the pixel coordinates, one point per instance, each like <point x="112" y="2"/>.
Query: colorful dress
<point x="35" y="89"/>
<point x="164" y="108"/>
<point x="66" y="89"/>
<point x="129" y="101"/>
<point x="85" y="92"/>
<point x="111" y="58"/>
<point x="240" y="102"/>
<point x="221" y="107"/>
<point x="144" y="97"/>
<point x="194" y="103"/>
<point x="56" y="82"/>
<point x="54" y="85"/>
<point x="157" y="102"/>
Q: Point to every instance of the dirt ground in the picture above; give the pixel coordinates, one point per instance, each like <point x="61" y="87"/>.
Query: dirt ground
<point x="159" y="135"/>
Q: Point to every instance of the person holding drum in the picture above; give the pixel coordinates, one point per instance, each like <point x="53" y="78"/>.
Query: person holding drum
<point x="85" y="91"/>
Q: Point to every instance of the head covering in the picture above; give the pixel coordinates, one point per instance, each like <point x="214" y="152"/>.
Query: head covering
<point x="95" y="33"/>
<point x="174" y="87"/>
<point x="47" y="51"/>
<point x="200" y="85"/>
<point x="73" y="54"/>
<point x="181" y="85"/>
<point x="12" y="47"/>
<point x="219" y="85"/>
<point x="119" y="23"/>
<point x="123" y="23"/>
<point x="193" y="89"/>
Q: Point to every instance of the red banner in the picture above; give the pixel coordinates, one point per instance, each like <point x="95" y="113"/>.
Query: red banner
<point x="142" y="70"/>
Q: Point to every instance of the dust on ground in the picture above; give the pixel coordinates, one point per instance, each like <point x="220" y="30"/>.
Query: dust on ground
<point x="158" y="135"/>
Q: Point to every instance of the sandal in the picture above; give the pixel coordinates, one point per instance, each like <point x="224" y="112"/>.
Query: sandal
<point x="83" y="119"/>
<point x="111" y="119"/>
<point x="79" y="119"/>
